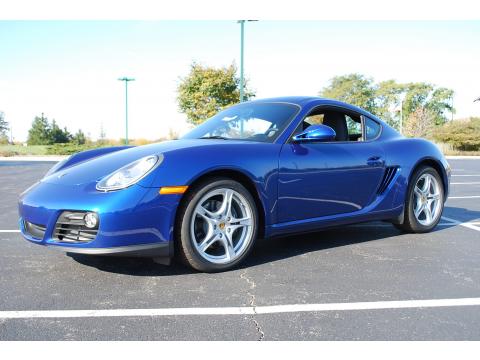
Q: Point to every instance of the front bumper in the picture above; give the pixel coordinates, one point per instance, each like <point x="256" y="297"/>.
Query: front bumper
<point x="136" y="221"/>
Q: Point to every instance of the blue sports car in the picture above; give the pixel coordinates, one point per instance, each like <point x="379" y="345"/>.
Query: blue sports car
<point x="258" y="169"/>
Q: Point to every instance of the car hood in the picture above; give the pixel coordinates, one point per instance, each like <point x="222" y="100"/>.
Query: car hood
<point x="93" y="170"/>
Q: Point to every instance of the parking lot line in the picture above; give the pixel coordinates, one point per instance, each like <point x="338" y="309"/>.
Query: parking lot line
<point x="467" y="175"/>
<point x="464" y="224"/>
<point x="241" y="310"/>
<point x="464" y="197"/>
<point x="9" y="231"/>
<point x="466" y="183"/>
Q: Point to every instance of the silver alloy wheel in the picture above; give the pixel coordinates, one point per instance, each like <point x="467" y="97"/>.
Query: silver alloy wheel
<point x="222" y="226"/>
<point x="428" y="198"/>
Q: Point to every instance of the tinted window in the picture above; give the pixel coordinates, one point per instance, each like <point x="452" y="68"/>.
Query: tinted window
<point x="372" y="129"/>
<point x="262" y="122"/>
<point x="354" y="128"/>
<point x="348" y="127"/>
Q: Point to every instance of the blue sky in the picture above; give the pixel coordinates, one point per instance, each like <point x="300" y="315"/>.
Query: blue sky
<point x="68" y="69"/>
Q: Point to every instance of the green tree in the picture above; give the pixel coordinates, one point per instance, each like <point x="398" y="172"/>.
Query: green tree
<point x="207" y="90"/>
<point x="39" y="133"/>
<point x="423" y="95"/>
<point x="355" y="89"/>
<point x="387" y="100"/>
<point x="44" y="133"/>
<point x="57" y="135"/>
<point x="79" y="138"/>
<point x="3" y="128"/>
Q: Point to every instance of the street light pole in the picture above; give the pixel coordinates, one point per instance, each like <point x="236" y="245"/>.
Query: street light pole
<point x="242" y="44"/>
<point x="126" y="79"/>
<point x="401" y="117"/>
<point x="242" y="39"/>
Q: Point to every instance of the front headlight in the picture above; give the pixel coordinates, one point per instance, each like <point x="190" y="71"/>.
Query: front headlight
<point x="129" y="174"/>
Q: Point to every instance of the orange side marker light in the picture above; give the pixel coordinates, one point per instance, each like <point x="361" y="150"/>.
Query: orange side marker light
<point x="172" y="190"/>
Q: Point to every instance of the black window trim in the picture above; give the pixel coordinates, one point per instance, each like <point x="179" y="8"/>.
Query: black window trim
<point x="346" y="111"/>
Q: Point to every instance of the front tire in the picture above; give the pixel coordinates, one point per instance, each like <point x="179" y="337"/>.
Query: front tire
<point x="424" y="202"/>
<point x="217" y="225"/>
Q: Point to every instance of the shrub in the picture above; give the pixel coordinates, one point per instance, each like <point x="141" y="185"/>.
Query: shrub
<point x="419" y="123"/>
<point x="460" y="134"/>
<point x="7" y="153"/>
<point x="67" y="149"/>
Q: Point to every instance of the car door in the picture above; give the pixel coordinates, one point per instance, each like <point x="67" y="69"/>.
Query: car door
<point x="327" y="178"/>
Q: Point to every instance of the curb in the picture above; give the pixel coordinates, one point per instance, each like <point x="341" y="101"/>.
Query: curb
<point x="464" y="157"/>
<point x="53" y="158"/>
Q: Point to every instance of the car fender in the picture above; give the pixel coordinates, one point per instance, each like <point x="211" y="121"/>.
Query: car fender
<point x="409" y="153"/>
<point x="258" y="162"/>
<point x="83" y="156"/>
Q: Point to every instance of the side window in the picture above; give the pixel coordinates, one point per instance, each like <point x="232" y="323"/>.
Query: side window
<point x="312" y="120"/>
<point x="372" y="129"/>
<point x="347" y="125"/>
<point x="354" y="129"/>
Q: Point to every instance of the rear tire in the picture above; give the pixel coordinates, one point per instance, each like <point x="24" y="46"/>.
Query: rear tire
<point x="424" y="201"/>
<point x="217" y="225"/>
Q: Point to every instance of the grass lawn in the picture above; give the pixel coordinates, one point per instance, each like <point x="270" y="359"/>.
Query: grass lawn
<point x="12" y="150"/>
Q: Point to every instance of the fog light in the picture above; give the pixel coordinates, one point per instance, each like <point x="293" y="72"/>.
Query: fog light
<point x="91" y="220"/>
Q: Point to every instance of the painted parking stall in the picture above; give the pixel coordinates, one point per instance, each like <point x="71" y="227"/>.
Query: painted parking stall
<point x="364" y="281"/>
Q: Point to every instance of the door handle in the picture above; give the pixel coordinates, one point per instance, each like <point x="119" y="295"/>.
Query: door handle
<point x="375" y="161"/>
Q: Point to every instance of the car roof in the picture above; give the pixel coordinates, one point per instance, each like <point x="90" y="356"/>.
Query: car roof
<point x="303" y="101"/>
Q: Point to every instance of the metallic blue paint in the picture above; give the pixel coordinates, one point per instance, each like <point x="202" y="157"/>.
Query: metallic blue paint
<point x="316" y="133"/>
<point x="299" y="186"/>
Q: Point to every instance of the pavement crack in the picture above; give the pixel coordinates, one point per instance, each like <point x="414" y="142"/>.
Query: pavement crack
<point x="252" y="303"/>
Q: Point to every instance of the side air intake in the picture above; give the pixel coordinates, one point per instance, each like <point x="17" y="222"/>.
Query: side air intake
<point x="388" y="176"/>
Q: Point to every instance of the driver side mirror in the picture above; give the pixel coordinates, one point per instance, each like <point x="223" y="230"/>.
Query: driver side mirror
<point x="316" y="133"/>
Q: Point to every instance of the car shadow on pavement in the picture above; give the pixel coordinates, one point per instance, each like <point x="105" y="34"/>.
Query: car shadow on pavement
<point x="461" y="214"/>
<point x="269" y="250"/>
<point x="265" y="250"/>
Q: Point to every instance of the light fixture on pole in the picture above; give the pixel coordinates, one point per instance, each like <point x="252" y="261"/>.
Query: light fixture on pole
<point x="126" y="79"/>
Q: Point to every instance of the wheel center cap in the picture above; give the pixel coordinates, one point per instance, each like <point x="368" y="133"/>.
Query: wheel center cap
<point x="221" y="225"/>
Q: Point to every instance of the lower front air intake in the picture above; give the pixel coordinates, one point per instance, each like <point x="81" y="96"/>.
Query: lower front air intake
<point x="71" y="228"/>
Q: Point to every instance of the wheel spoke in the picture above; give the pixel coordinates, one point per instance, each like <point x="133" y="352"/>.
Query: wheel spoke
<point x="228" y="246"/>
<point x="210" y="238"/>
<point x="246" y="221"/>
<point x="206" y="214"/>
<point x="240" y="223"/>
<point x="418" y="191"/>
<point x="428" y="214"/>
<point x="426" y="185"/>
<point x="226" y="207"/>
<point x="419" y="210"/>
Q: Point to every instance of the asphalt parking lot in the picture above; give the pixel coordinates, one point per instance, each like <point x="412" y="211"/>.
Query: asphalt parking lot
<point x="361" y="282"/>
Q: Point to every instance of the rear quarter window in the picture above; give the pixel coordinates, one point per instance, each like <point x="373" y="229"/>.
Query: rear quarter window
<point x="372" y="129"/>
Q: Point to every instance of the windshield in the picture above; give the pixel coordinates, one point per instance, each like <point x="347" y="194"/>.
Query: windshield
<point x="262" y="122"/>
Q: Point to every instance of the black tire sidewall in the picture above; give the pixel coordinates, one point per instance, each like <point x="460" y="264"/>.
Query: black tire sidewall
<point x="184" y="240"/>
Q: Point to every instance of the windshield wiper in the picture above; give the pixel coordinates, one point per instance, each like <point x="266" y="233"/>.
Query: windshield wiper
<point x="214" y="137"/>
